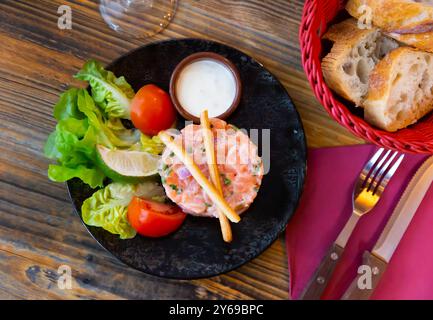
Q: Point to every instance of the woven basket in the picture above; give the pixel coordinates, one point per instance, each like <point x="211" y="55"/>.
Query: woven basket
<point x="317" y="16"/>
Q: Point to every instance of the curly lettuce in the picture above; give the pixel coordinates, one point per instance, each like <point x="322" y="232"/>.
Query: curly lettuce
<point x="81" y="126"/>
<point x="72" y="144"/>
<point x="151" y="144"/>
<point x="110" y="133"/>
<point x="92" y="176"/>
<point x="66" y="107"/>
<point x="108" y="207"/>
<point x="111" y="94"/>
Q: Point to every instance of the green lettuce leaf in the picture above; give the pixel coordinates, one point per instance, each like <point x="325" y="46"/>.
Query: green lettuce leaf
<point x="80" y="128"/>
<point x="112" y="94"/>
<point x="110" y="133"/>
<point x="61" y="144"/>
<point x="72" y="144"/>
<point x="85" y="120"/>
<point x="66" y="107"/>
<point x="92" y="176"/>
<point x="108" y="207"/>
<point x="151" y="144"/>
<point x="128" y="137"/>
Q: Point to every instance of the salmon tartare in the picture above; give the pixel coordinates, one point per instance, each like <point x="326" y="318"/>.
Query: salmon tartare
<point x="239" y="166"/>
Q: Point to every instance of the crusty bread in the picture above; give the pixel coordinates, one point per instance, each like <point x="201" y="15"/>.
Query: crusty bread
<point x="423" y="41"/>
<point x="353" y="56"/>
<point x="408" y="21"/>
<point x="398" y="16"/>
<point x="400" y="89"/>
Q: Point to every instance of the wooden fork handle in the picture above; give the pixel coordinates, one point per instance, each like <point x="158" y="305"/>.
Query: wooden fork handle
<point x="323" y="274"/>
<point x="369" y="274"/>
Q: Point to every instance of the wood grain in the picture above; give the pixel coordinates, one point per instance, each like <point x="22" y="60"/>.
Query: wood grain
<point x="38" y="228"/>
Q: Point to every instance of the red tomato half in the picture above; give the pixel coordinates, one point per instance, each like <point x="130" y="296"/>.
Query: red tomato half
<point x="152" y="110"/>
<point x="154" y="219"/>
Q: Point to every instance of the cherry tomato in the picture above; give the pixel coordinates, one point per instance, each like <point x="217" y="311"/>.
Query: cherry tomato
<point x="152" y="110"/>
<point x="154" y="219"/>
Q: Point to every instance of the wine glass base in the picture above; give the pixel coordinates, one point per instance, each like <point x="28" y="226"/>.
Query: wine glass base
<point x="138" y="18"/>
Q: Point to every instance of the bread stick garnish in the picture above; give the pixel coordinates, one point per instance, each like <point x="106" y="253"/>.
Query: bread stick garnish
<point x="208" y="187"/>
<point x="208" y="140"/>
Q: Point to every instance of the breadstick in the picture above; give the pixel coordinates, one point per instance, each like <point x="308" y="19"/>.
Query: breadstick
<point x="213" y="170"/>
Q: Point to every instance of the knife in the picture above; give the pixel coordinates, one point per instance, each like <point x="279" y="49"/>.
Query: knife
<point x="376" y="261"/>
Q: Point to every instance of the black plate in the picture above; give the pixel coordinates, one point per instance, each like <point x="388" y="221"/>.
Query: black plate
<point x="197" y="250"/>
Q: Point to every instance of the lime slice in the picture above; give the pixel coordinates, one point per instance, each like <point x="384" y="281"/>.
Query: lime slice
<point x="126" y="165"/>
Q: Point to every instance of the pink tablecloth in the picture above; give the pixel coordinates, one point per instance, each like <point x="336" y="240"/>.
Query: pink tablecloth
<point x="325" y="207"/>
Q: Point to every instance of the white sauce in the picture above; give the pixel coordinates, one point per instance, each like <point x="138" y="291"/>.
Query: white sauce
<point x="206" y="84"/>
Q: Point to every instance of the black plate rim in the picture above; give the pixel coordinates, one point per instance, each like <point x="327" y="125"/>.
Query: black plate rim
<point x="283" y="226"/>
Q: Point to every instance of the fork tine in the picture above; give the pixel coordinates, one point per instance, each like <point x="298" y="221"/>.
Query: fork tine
<point x="383" y="182"/>
<point x="376" y="179"/>
<point x="375" y="170"/>
<point x="367" y="168"/>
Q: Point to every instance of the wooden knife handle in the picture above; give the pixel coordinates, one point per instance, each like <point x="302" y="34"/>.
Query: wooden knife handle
<point x="369" y="275"/>
<point x="321" y="278"/>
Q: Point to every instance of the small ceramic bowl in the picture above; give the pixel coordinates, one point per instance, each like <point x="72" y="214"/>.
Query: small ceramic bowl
<point x="205" y="56"/>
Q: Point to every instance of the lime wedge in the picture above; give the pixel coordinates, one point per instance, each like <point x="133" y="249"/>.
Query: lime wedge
<point x="126" y="165"/>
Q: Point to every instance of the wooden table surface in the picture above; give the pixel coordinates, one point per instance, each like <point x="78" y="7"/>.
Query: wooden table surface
<point x="38" y="229"/>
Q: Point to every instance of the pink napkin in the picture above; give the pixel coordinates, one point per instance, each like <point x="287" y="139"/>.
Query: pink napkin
<point x="326" y="206"/>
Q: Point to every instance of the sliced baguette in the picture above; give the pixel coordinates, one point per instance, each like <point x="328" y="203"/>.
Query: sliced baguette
<point x="400" y="89"/>
<point x="398" y="16"/>
<point x="354" y="54"/>
<point x="423" y="41"/>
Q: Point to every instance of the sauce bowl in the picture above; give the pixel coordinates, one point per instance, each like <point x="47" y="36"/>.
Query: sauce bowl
<point x="199" y="56"/>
